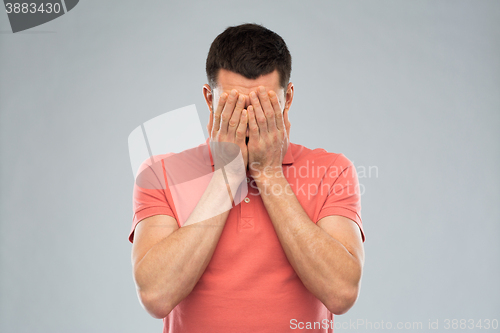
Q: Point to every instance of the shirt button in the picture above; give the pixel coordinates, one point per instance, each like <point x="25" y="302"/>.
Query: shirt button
<point x="248" y="180"/>
<point x="247" y="199"/>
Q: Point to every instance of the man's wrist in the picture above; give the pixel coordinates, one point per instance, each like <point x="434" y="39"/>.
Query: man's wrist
<point x="268" y="172"/>
<point x="269" y="176"/>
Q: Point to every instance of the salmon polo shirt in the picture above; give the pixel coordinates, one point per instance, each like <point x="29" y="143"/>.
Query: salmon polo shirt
<point x="249" y="285"/>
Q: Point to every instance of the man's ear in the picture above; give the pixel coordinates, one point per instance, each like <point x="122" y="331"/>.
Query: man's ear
<point x="288" y="96"/>
<point x="209" y="97"/>
<point x="288" y="103"/>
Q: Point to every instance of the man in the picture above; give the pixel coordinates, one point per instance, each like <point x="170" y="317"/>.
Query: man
<point x="291" y="254"/>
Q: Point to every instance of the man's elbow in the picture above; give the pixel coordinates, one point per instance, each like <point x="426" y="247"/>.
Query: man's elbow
<point x="156" y="306"/>
<point x="341" y="302"/>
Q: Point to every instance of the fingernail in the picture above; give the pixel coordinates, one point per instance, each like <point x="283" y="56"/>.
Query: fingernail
<point x="252" y="95"/>
<point x="233" y="92"/>
<point x="262" y="89"/>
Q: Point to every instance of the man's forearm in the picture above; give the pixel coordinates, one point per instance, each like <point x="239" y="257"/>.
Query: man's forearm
<point x="172" y="267"/>
<point x="323" y="264"/>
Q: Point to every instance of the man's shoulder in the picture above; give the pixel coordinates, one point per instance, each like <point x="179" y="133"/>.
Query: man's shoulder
<point x="320" y="156"/>
<point x="177" y="166"/>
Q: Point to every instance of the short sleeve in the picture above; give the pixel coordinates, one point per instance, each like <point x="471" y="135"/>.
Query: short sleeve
<point x="344" y="197"/>
<point x="150" y="194"/>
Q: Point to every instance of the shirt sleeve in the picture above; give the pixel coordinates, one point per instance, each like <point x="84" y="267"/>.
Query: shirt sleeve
<point x="150" y="194"/>
<point x="344" y="197"/>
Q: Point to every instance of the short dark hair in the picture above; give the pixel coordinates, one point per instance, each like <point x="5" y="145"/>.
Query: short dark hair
<point x="250" y="50"/>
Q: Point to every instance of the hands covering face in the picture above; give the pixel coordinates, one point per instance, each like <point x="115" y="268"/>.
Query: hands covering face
<point x="267" y="127"/>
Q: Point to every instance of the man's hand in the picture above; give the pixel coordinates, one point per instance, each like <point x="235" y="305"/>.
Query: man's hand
<point x="229" y="126"/>
<point x="268" y="139"/>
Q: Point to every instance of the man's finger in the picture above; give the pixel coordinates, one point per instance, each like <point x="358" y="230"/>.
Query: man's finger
<point x="286" y="120"/>
<point x="228" y="111"/>
<point x="260" y="117"/>
<point x="241" y="131"/>
<point x="278" y="117"/>
<point x="217" y="113"/>
<point x="267" y="108"/>
<point x="235" y="118"/>
<point x="253" y="128"/>
<point x="210" y="125"/>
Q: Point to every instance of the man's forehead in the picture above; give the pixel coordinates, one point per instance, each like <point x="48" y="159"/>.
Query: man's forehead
<point x="227" y="81"/>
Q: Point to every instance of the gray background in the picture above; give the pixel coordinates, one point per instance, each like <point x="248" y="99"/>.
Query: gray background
<point x="411" y="88"/>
